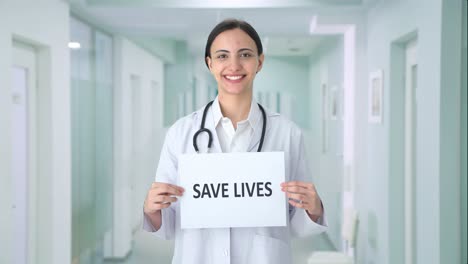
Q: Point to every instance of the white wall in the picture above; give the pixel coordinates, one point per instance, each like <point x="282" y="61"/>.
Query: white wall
<point x="133" y="174"/>
<point x="43" y="25"/>
<point x="436" y="192"/>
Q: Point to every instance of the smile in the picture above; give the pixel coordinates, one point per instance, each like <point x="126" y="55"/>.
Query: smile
<point x="234" y="77"/>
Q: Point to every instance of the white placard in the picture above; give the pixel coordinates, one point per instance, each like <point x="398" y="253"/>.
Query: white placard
<point x="232" y="190"/>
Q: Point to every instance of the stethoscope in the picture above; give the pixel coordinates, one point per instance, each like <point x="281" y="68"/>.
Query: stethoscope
<point x="210" y="135"/>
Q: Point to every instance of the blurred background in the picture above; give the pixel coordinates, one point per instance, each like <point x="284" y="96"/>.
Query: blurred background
<point x="89" y="88"/>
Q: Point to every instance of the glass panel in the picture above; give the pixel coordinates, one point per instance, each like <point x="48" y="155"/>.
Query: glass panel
<point x="92" y="140"/>
<point x="19" y="161"/>
<point x="103" y="134"/>
<point x="82" y="103"/>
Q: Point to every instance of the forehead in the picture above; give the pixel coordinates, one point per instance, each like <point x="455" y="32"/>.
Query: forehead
<point x="233" y="39"/>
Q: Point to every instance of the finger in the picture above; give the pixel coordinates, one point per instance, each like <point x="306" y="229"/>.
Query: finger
<point x="295" y="189"/>
<point x="161" y="184"/>
<point x="151" y="207"/>
<point x="155" y="196"/>
<point x="296" y="203"/>
<point x="298" y="197"/>
<point x="302" y="184"/>
<point x="165" y="199"/>
<point x="168" y="189"/>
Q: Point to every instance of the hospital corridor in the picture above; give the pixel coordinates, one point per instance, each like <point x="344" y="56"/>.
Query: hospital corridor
<point x="92" y="93"/>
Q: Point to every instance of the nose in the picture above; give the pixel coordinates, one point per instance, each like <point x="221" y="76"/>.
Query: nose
<point x="235" y="63"/>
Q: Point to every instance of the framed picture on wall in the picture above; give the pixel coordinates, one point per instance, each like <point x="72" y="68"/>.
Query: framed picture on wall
<point x="375" y="102"/>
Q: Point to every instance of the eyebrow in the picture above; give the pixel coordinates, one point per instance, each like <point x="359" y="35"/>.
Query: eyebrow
<point x="241" y="50"/>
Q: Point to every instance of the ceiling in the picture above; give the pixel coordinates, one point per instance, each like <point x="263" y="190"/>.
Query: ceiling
<point x="284" y="25"/>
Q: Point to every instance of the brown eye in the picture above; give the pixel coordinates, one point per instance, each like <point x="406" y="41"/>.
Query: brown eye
<point x="221" y="56"/>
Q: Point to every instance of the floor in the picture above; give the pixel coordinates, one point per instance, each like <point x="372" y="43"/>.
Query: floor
<point x="147" y="249"/>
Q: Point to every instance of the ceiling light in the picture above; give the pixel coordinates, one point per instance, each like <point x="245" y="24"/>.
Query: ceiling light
<point x="74" y="45"/>
<point x="313" y="24"/>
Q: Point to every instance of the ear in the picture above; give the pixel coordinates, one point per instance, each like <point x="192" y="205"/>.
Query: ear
<point x="208" y="61"/>
<point x="261" y="58"/>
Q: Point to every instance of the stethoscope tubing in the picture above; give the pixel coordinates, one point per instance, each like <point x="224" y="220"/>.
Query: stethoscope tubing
<point x="210" y="135"/>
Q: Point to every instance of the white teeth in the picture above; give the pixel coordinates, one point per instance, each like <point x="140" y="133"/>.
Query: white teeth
<point x="233" y="78"/>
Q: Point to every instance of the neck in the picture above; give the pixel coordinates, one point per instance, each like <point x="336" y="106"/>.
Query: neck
<point x="236" y="108"/>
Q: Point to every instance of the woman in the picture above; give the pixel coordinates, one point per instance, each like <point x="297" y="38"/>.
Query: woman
<point x="234" y="55"/>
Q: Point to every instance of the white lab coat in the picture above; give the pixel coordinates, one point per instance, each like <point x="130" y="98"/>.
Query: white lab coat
<point x="268" y="245"/>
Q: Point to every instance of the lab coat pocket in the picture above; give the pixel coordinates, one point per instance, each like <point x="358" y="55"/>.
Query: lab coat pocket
<point x="269" y="250"/>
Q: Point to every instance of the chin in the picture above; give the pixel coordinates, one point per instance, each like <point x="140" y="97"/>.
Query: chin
<point x="236" y="90"/>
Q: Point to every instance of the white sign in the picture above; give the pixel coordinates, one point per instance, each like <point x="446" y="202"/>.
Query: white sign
<point x="232" y="190"/>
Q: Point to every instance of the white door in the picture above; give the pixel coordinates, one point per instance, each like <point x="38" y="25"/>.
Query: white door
<point x="156" y="109"/>
<point x="411" y="73"/>
<point x="23" y="100"/>
<point x="137" y="157"/>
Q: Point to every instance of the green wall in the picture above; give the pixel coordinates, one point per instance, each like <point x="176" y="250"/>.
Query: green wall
<point x="463" y="136"/>
<point x="450" y="112"/>
<point x="178" y="78"/>
<point x="437" y="141"/>
<point x="287" y="75"/>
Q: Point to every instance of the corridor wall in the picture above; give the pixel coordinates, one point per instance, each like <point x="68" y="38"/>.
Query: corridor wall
<point x="179" y="79"/>
<point x="49" y="37"/>
<point x="463" y="136"/>
<point x="287" y="75"/>
<point x="92" y="139"/>
<point x="138" y="135"/>
<point x="326" y="158"/>
<point x="435" y="23"/>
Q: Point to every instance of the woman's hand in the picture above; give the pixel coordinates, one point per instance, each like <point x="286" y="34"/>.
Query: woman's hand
<point x="160" y="196"/>
<point x="304" y="195"/>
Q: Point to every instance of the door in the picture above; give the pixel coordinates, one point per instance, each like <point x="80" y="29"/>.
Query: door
<point x="23" y="124"/>
<point x="411" y="77"/>
<point x="137" y="144"/>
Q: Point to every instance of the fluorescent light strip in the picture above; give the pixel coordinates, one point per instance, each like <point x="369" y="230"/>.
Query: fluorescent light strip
<point x="74" y="45"/>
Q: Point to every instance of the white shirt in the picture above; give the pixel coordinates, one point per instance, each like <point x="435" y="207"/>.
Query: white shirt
<point x="256" y="245"/>
<point x="236" y="140"/>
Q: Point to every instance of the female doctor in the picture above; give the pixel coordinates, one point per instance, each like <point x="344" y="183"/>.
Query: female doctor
<point x="234" y="55"/>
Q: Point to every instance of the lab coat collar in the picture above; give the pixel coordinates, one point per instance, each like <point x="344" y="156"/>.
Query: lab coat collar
<point x="254" y="118"/>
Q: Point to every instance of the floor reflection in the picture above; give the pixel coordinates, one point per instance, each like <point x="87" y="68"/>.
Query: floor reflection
<point x="147" y="249"/>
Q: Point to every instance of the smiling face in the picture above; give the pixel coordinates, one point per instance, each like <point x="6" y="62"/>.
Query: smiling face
<point x="234" y="62"/>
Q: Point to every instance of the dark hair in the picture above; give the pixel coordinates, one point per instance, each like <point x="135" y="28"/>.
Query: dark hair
<point x="229" y="24"/>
